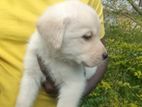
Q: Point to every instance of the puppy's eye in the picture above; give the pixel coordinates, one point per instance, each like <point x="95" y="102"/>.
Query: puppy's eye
<point x="87" y="36"/>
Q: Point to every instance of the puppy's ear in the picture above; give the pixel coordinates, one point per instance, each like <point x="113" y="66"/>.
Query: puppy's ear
<point x="52" y="29"/>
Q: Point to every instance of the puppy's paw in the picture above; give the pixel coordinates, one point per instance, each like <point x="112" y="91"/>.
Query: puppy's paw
<point x="21" y="104"/>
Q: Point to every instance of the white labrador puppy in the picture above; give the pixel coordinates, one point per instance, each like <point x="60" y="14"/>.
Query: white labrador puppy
<point x="67" y="40"/>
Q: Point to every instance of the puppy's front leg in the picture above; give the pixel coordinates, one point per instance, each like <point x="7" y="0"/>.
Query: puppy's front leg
<point x="70" y="94"/>
<point x="30" y="82"/>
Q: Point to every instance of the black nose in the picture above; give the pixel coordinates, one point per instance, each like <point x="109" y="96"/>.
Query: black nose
<point x="105" y="56"/>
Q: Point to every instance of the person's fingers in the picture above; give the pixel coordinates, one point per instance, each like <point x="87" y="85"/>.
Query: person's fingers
<point x="50" y="89"/>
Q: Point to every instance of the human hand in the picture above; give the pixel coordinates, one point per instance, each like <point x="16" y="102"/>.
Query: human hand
<point x="50" y="88"/>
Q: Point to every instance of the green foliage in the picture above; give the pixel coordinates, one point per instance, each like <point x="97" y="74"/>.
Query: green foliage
<point x="122" y="84"/>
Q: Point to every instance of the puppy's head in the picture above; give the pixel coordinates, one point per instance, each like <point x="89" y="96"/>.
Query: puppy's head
<point x="73" y="28"/>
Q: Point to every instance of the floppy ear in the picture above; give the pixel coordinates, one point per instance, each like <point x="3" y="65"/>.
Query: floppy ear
<point x="52" y="29"/>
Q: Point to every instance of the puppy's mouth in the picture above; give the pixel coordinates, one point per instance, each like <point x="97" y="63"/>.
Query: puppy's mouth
<point x="88" y="65"/>
<point x="92" y="65"/>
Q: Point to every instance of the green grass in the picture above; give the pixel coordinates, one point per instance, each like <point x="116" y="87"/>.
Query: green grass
<point x="122" y="84"/>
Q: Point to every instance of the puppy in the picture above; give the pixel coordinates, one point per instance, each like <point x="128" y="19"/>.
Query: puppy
<point x="67" y="41"/>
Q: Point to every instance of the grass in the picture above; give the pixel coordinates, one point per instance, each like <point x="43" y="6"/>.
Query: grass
<point x="122" y="84"/>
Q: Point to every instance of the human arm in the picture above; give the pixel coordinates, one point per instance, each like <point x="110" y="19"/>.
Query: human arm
<point x="95" y="79"/>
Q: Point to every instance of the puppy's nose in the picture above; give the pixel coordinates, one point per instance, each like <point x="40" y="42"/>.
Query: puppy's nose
<point x="105" y="56"/>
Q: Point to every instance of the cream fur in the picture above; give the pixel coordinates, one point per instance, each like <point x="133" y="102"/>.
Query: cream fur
<point x="58" y="41"/>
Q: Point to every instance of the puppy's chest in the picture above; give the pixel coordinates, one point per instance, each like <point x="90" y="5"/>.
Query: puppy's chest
<point x="62" y="72"/>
